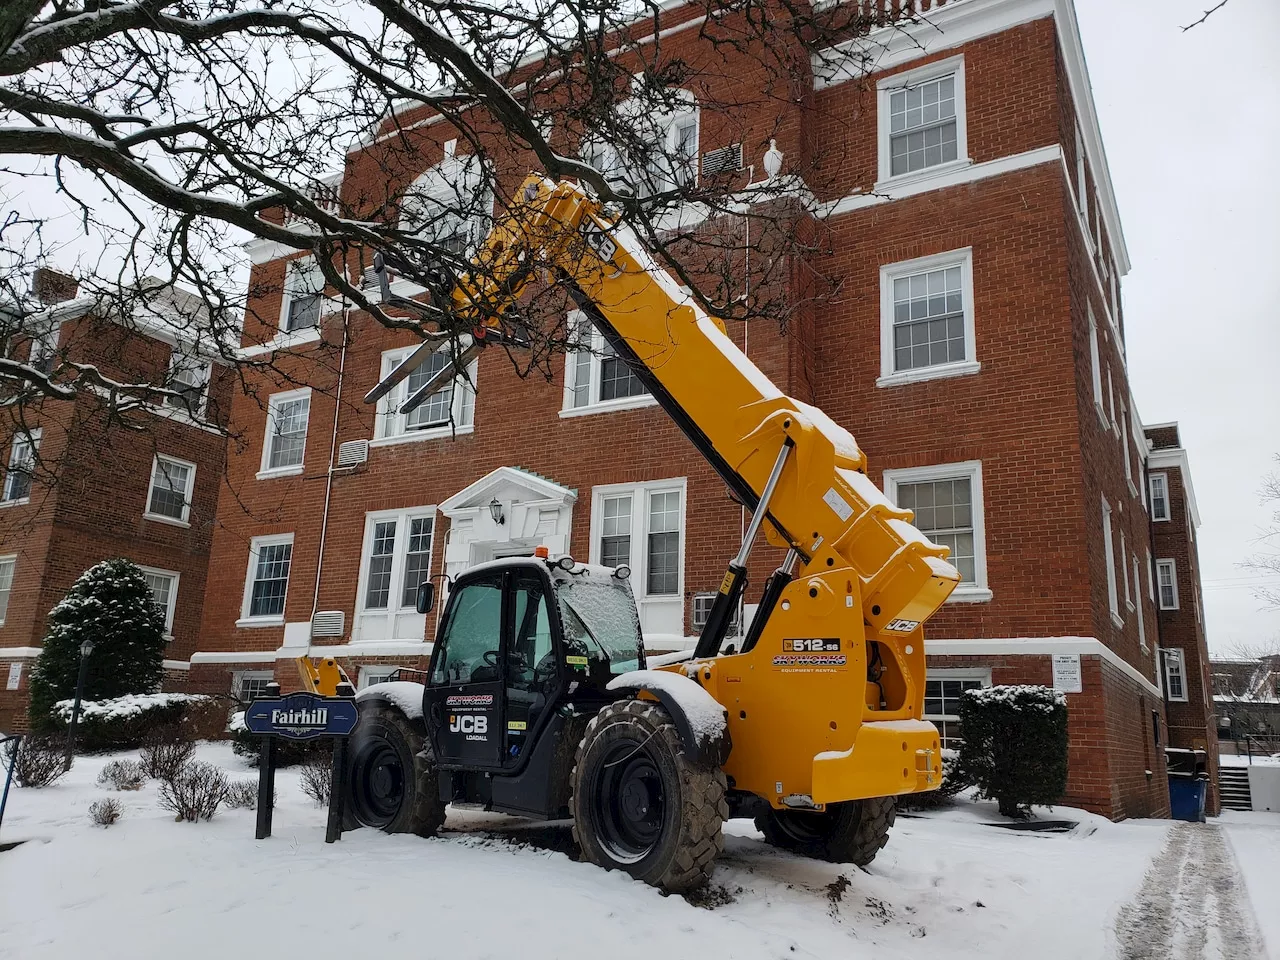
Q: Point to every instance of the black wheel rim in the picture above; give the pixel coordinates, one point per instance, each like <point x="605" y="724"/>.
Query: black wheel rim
<point x="377" y="782"/>
<point x="805" y="827"/>
<point x="629" y="802"/>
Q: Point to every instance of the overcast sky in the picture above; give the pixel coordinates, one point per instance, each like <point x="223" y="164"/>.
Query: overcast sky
<point x="1191" y="123"/>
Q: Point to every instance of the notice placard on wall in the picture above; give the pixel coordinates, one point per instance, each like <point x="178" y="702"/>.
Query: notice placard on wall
<point x="1066" y="673"/>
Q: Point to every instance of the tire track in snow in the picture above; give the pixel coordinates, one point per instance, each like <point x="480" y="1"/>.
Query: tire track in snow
<point x="1192" y="904"/>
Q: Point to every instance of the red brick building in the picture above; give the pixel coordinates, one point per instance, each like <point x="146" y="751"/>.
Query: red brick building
<point x="976" y="352"/>
<point x="78" y="488"/>
<point x="1175" y="586"/>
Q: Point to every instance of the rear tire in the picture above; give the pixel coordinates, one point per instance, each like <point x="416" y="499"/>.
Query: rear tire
<point x="849" y="832"/>
<point x="391" y="775"/>
<point x="640" y="804"/>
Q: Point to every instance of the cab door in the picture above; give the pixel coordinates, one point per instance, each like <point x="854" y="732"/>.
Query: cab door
<point x="464" y="697"/>
<point x="534" y="672"/>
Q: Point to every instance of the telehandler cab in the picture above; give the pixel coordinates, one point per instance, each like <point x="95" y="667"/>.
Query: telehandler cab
<point x="539" y="700"/>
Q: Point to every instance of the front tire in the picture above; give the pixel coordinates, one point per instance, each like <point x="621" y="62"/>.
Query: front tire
<point x="849" y="832"/>
<point x="391" y="775"/>
<point x="641" y="805"/>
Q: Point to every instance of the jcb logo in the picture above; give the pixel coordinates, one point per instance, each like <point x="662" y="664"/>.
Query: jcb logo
<point x="468" y="723"/>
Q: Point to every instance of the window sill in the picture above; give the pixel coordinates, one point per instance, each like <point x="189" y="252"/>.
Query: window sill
<point x="1133" y="491"/>
<point x="1115" y="618"/>
<point x="608" y="406"/>
<point x="970" y="595"/>
<point x="279" y="472"/>
<point x="15" y="503"/>
<point x="1153" y="519"/>
<point x="171" y="521"/>
<point x="887" y="184"/>
<point x="435" y="433"/>
<point x="1164" y="609"/>
<point x="1102" y="415"/>
<point x="245" y="623"/>
<point x="282" y="341"/>
<point x="939" y="372"/>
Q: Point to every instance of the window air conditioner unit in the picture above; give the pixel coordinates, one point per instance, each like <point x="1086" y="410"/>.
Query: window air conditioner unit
<point x="328" y="623"/>
<point x="722" y="160"/>
<point x="353" y="453"/>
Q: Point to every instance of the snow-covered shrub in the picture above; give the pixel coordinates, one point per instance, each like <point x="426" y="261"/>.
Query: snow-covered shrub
<point x="165" y="752"/>
<point x="317" y="778"/>
<point x="122" y="775"/>
<point x="111" y="605"/>
<point x="242" y="795"/>
<point x="195" y="792"/>
<point x="124" y="722"/>
<point x="1015" y="745"/>
<point x="36" y="761"/>
<point x="105" y="812"/>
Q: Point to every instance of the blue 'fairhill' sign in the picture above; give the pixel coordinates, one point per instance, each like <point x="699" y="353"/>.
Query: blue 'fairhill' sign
<point x="302" y="716"/>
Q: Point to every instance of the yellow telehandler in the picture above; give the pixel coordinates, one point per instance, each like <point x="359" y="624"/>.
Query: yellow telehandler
<point x="539" y="700"/>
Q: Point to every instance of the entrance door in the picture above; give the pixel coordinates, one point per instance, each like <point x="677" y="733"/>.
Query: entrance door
<point x="465" y="689"/>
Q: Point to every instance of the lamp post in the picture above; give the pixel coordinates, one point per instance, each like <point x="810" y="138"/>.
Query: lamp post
<point x="86" y="648"/>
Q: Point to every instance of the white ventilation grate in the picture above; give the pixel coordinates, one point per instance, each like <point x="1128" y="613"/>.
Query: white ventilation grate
<point x="353" y="452"/>
<point x="722" y="159"/>
<point x="328" y="623"/>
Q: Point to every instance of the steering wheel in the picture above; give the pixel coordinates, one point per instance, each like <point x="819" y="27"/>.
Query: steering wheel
<point x="490" y="657"/>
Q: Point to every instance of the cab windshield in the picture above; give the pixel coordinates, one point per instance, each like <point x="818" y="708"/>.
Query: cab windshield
<point x="600" y="622"/>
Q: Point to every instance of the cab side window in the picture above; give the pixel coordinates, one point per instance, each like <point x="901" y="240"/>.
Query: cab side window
<point x="470" y="640"/>
<point x="532" y="660"/>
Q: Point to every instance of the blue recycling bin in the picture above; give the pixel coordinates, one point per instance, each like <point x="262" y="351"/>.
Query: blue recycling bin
<point x="1186" y="797"/>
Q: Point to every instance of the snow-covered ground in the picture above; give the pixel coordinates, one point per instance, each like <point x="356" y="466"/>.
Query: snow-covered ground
<point x="1255" y="840"/>
<point x="947" y="886"/>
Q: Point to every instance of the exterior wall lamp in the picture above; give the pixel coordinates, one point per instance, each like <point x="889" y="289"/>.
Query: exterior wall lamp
<point x="495" y="511"/>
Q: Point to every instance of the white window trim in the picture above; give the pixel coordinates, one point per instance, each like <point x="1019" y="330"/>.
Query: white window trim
<point x="1151" y="582"/>
<point x="32" y="438"/>
<point x="239" y="676"/>
<point x="1124" y="568"/>
<point x="382" y="437"/>
<point x="1168" y="512"/>
<point x="287" y="293"/>
<point x="908" y="78"/>
<point x="640" y="493"/>
<point x="402" y="518"/>
<point x="577" y="320"/>
<point x="1176" y="655"/>
<point x="890" y="272"/>
<point x="1173" y="568"/>
<point x="979" y="591"/>
<point x="1095" y="362"/>
<point x="1109" y="549"/>
<point x="1137" y="593"/>
<point x="9" y="558"/>
<point x="274" y="403"/>
<point x="367" y="673"/>
<point x="187" y="496"/>
<point x="1111" y="401"/>
<point x="172" y="607"/>
<point x="177" y="359"/>
<point x="255" y="545"/>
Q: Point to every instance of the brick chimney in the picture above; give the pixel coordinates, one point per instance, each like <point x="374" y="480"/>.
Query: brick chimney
<point x="50" y="286"/>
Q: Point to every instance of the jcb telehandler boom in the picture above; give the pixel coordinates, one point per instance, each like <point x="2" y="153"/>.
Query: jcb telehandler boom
<point x="812" y="725"/>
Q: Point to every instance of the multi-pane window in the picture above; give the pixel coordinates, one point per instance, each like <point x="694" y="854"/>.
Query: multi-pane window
<point x="1124" y="570"/>
<point x="451" y="408"/>
<point x="928" y="319"/>
<point x="922" y="126"/>
<point x="1175" y="677"/>
<point x="1167" y="584"/>
<point x="371" y="675"/>
<point x="942" y="705"/>
<point x="188" y="379"/>
<point x="594" y="373"/>
<point x="1108" y="545"/>
<point x="270" y="559"/>
<point x="944" y="514"/>
<point x="673" y="159"/>
<point x="247" y="685"/>
<point x="615" y="531"/>
<point x="303" y="294"/>
<point x="417" y="558"/>
<point x="171" y="484"/>
<point x="450" y="205"/>
<point x="664" y="543"/>
<point x="1160" y="496"/>
<point x="287" y="416"/>
<point x="44" y="349"/>
<point x="1095" y="364"/>
<point x="396" y="559"/>
<point x="22" y="465"/>
<point x="7" y="566"/>
<point x="381" y="556"/>
<point x="164" y="588"/>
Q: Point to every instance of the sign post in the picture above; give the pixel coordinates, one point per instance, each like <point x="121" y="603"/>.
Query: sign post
<point x="301" y="716"/>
